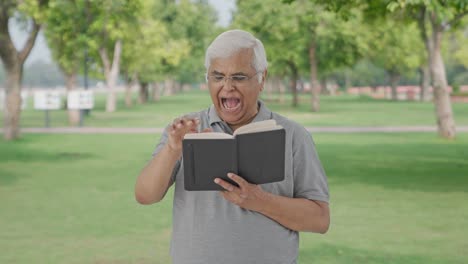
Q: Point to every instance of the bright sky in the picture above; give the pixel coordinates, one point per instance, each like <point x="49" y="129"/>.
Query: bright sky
<point x="42" y="52"/>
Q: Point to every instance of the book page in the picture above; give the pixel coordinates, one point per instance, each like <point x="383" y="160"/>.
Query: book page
<point x="261" y="129"/>
<point x="266" y="125"/>
<point x="208" y="135"/>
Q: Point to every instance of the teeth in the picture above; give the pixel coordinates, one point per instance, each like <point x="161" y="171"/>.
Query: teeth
<point x="225" y="104"/>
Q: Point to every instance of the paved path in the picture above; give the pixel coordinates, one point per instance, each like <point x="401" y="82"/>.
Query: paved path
<point x="140" y="130"/>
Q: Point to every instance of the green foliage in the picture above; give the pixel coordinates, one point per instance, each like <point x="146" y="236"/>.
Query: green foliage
<point x="109" y="22"/>
<point x="169" y="41"/>
<point x="193" y="24"/>
<point x="276" y="25"/>
<point x="34" y="9"/>
<point x="365" y="73"/>
<point x="288" y="30"/>
<point x="66" y="33"/>
<point x="443" y="11"/>
<point x="148" y="46"/>
<point x="458" y="41"/>
<point x="396" y="47"/>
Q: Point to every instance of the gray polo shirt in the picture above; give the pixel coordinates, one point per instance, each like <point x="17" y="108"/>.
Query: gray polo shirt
<point x="208" y="229"/>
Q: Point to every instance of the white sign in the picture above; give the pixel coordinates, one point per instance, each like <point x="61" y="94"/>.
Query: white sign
<point x="24" y="100"/>
<point x="83" y="99"/>
<point x="47" y="100"/>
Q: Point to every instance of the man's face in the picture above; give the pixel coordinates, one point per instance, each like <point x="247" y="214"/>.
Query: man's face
<point x="235" y="101"/>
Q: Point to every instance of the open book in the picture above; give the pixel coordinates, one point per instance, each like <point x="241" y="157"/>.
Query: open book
<point x="255" y="152"/>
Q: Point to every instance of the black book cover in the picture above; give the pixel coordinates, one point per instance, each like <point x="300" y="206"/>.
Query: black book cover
<point x="258" y="157"/>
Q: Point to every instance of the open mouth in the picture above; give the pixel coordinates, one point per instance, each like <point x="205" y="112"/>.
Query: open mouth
<point x="230" y="104"/>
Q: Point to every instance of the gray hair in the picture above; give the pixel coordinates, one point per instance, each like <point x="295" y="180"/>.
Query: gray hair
<point x="232" y="41"/>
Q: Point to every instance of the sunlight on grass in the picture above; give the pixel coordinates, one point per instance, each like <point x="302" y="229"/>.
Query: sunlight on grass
<point x="395" y="198"/>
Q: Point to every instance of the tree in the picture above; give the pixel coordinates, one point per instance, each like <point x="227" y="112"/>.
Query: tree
<point x="110" y="21"/>
<point x="435" y="18"/>
<point x="276" y="24"/>
<point x="396" y="48"/>
<point x="65" y="33"/>
<point x="194" y="22"/>
<point x="304" y="37"/>
<point x="32" y="13"/>
<point x="333" y="42"/>
<point x="150" y="49"/>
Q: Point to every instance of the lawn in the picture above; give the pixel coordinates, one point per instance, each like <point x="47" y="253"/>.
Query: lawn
<point x="343" y="110"/>
<point x="395" y="198"/>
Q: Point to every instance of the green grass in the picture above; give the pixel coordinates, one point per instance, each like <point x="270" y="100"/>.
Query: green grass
<point x="344" y="110"/>
<point x="395" y="198"/>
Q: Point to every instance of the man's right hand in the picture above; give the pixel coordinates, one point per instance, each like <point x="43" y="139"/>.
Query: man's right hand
<point x="178" y="129"/>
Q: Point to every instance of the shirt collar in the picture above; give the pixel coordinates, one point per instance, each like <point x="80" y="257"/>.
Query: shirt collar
<point x="263" y="114"/>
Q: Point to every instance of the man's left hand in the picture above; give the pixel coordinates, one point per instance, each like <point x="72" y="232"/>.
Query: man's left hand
<point x="248" y="196"/>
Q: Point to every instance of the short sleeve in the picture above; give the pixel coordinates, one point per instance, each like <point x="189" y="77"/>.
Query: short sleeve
<point x="310" y="181"/>
<point x="159" y="146"/>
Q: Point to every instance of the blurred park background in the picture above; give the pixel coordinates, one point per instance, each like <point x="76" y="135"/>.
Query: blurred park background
<point x="66" y="194"/>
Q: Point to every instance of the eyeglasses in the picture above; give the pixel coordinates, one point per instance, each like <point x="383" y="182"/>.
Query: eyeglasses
<point x="238" y="79"/>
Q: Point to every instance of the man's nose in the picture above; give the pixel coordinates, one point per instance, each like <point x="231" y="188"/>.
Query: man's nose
<point x="227" y="84"/>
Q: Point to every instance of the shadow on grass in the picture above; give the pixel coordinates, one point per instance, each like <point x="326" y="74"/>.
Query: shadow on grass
<point x="411" y="166"/>
<point x="337" y="254"/>
<point x="19" y="152"/>
<point x="7" y="177"/>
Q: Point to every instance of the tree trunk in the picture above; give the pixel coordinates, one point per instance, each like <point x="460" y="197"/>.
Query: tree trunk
<point x="13" y="61"/>
<point x="111" y="72"/>
<point x="424" y="82"/>
<point x="269" y="88"/>
<point x="347" y="79"/>
<point x="144" y="93"/>
<point x="275" y="86"/>
<point x="130" y="82"/>
<point x="293" y="83"/>
<point x="314" y="83"/>
<point x="394" y="80"/>
<point x="425" y="68"/>
<point x="73" y="114"/>
<point x="12" y="110"/>
<point x="443" y="105"/>
<point x="282" y="90"/>
<point x="156" y="92"/>
<point x="177" y="87"/>
<point x="128" y="94"/>
<point x="169" y="86"/>
<point x="323" y="86"/>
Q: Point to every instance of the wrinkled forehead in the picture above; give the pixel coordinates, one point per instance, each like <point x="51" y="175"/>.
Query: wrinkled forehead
<point x="240" y="61"/>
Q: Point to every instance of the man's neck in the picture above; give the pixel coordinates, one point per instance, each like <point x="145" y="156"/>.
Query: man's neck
<point x="248" y="121"/>
<point x="236" y="126"/>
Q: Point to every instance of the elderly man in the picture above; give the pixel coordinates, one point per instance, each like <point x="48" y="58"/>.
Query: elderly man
<point x="246" y="223"/>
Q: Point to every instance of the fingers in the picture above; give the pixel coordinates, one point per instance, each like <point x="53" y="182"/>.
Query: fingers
<point x="181" y="126"/>
<point x="185" y="122"/>
<point x="227" y="186"/>
<point x="232" y="197"/>
<point x="238" y="179"/>
<point x="242" y="190"/>
<point x="243" y="184"/>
